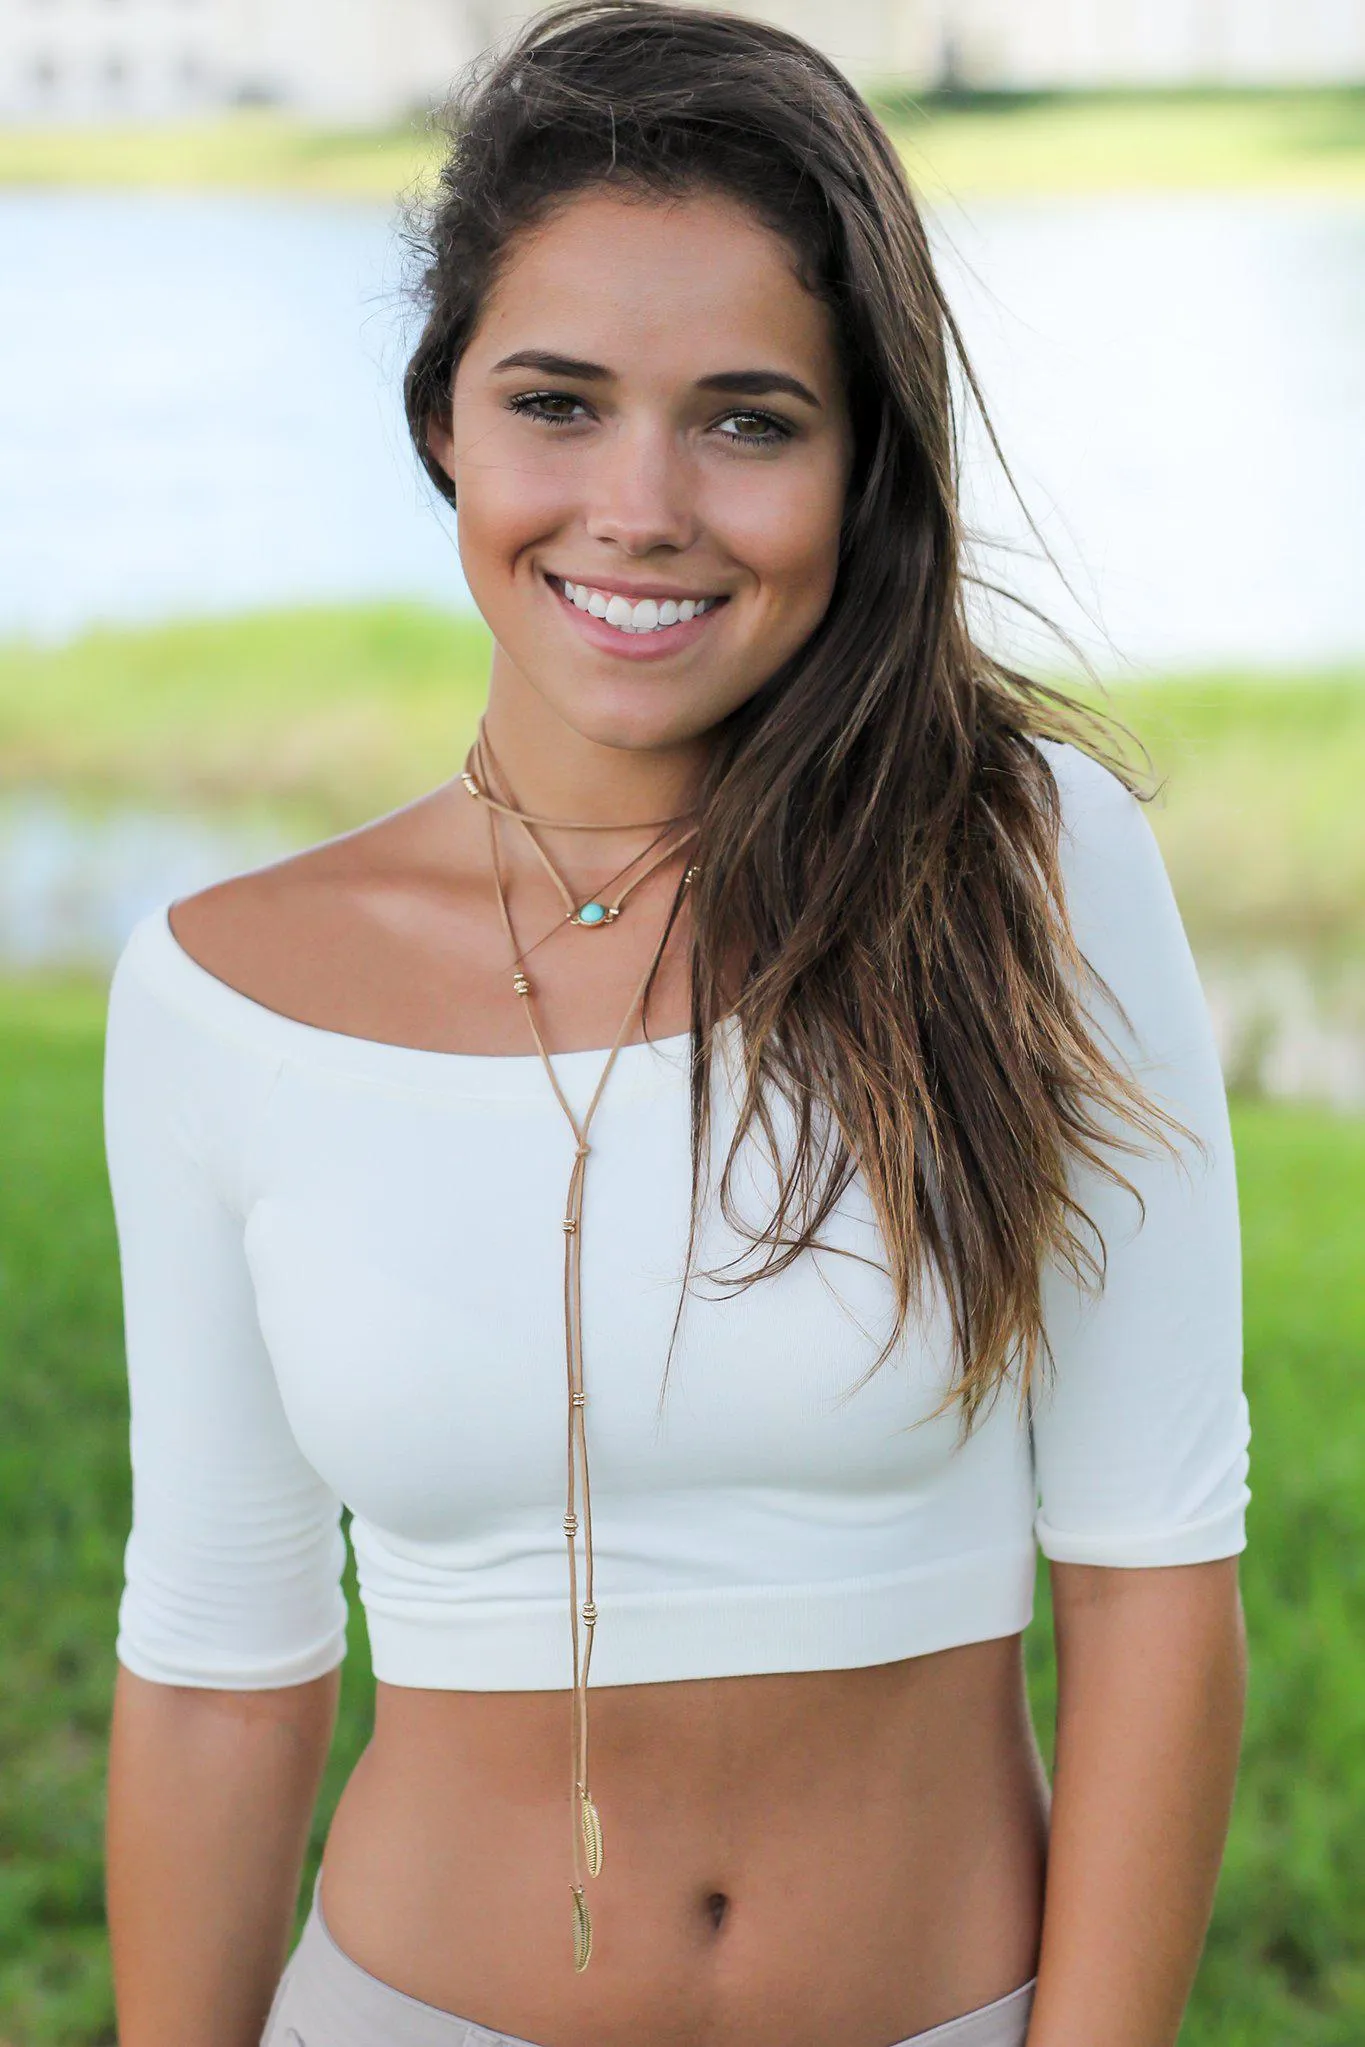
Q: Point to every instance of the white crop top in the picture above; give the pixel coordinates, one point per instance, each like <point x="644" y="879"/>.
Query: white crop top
<point x="342" y="1272"/>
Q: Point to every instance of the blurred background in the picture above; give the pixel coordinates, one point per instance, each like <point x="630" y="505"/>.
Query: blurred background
<point x="232" y="619"/>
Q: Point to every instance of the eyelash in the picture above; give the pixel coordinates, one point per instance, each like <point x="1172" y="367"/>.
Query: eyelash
<point x="527" y="405"/>
<point x="526" y="402"/>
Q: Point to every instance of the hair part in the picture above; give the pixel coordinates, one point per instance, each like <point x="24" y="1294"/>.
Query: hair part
<point x="879" y="903"/>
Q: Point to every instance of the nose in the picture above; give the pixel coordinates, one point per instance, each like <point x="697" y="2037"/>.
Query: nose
<point x="640" y="494"/>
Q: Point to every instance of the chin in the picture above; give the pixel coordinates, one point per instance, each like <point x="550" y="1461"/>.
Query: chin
<point x="636" y="716"/>
<point x="634" y="729"/>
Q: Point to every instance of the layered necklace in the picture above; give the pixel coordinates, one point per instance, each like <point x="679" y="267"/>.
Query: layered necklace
<point x="480" y="776"/>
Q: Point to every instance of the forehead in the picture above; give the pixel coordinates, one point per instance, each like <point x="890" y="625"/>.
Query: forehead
<point x="660" y="286"/>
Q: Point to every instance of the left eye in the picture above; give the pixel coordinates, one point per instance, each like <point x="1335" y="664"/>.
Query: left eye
<point x="754" y="427"/>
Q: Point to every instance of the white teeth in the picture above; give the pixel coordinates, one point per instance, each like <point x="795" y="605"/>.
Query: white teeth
<point x="649" y="615"/>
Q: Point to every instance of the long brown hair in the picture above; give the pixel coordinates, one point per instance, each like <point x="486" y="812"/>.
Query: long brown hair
<point x="879" y="835"/>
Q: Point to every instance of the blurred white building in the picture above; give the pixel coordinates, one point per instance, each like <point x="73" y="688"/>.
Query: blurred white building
<point x="333" y="60"/>
<point x="372" y="60"/>
<point x="1017" y="45"/>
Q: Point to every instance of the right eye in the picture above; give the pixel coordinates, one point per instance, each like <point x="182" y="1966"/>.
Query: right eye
<point x="551" y="408"/>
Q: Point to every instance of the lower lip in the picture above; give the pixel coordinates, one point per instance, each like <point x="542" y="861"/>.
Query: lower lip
<point x="655" y="646"/>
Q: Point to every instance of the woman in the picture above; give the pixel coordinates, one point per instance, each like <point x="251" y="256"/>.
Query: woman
<point x="744" y="1364"/>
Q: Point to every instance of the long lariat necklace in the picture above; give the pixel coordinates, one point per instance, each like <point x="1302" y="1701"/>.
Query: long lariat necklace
<point x="594" y="914"/>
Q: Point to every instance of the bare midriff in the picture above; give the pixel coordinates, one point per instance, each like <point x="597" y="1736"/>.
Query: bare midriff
<point x="811" y="1859"/>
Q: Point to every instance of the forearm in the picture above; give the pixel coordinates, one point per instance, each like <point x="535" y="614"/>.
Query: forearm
<point x="211" y="1794"/>
<point x="1151" y="1687"/>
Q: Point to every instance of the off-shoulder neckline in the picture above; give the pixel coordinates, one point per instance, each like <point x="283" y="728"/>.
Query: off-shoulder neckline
<point x="155" y="946"/>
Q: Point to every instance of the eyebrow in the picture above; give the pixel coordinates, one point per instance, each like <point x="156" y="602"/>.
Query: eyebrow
<point x="734" y="383"/>
<point x="757" y="384"/>
<point x="553" y="365"/>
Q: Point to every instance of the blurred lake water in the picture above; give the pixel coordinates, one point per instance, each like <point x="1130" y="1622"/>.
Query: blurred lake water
<point x="75" y="877"/>
<point x="199" y="412"/>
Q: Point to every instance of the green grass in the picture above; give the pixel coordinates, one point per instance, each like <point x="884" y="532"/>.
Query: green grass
<point x="340" y="714"/>
<point x="1306" y="140"/>
<point x="63" y="1516"/>
<point x="1283" y="1967"/>
<point x="1260" y="819"/>
<point x="251" y="150"/>
<point x="1115" y="142"/>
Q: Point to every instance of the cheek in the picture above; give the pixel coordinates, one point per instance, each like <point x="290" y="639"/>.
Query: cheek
<point x="504" y="502"/>
<point x="783" y="524"/>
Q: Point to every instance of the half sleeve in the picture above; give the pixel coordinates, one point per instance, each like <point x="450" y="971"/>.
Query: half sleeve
<point x="234" y="1560"/>
<point x="1141" y="1429"/>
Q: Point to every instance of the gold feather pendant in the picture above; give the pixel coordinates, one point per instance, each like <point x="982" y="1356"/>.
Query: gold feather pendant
<point x="582" y="1930"/>
<point x="592" y="1834"/>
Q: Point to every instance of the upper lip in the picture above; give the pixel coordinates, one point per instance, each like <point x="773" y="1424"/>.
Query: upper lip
<point x="616" y="586"/>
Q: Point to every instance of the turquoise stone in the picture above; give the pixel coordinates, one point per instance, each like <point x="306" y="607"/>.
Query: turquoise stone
<point x="592" y="913"/>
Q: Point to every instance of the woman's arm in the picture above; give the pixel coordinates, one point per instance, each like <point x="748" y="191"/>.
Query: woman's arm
<point x="210" y="1798"/>
<point x="232" y="1623"/>
<point x="1151" y="1671"/>
<point x="1140" y="1439"/>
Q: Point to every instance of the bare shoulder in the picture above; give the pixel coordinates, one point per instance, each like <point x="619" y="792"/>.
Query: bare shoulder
<point x="240" y="928"/>
<point x="312" y="935"/>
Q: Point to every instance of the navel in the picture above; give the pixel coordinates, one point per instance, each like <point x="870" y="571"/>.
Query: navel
<point x="717" y="1905"/>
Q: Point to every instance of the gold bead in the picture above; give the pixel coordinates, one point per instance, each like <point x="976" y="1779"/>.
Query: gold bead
<point x="571" y="1524"/>
<point x="568" y="1226"/>
<point x="578" y="1400"/>
<point x="521" y="984"/>
<point x="590" y="1615"/>
<point x="470" y="784"/>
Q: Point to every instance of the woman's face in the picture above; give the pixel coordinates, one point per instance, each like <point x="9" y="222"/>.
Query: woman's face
<point x="650" y="448"/>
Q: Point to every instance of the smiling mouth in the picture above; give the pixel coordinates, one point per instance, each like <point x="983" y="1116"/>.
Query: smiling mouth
<point x="633" y="614"/>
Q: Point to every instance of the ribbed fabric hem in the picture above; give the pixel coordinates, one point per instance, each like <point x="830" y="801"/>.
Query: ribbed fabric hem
<point x="310" y="1663"/>
<point x="740" y="1631"/>
<point x="1194" y="1542"/>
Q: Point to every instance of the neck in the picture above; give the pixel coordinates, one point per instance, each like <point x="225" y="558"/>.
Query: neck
<point x="556" y="771"/>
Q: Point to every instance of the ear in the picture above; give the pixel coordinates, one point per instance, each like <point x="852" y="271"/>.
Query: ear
<point x="441" y="446"/>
